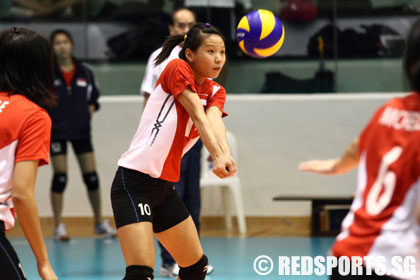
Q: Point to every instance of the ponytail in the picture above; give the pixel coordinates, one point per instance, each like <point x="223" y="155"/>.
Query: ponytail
<point x="415" y="78"/>
<point x="412" y="56"/>
<point x="167" y="47"/>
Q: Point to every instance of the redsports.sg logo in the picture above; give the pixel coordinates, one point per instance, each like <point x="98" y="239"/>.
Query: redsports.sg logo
<point x="321" y="265"/>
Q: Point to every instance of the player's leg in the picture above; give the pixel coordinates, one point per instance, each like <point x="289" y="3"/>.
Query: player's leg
<point x="137" y="245"/>
<point x="58" y="185"/>
<point x="192" y="195"/>
<point x="169" y="266"/>
<point x="86" y="159"/>
<point x="132" y="197"/>
<point x="184" y="245"/>
<point x="175" y="229"/>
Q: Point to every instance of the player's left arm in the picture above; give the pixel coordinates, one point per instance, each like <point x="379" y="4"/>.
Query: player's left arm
<point x="23" y="196"/>
<point x="95" y="93"/>
<point x="214" y="115"/>
<point x="342" y="165"/>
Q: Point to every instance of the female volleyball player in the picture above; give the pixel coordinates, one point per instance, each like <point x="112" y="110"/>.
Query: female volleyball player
<point x="78" y="99"/>
<point x="382" y="220"/>
<point x="184" y="105"/>
<point x="26" y="85"/>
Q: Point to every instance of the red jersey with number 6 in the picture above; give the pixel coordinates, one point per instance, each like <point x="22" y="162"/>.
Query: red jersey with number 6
<point x="382" y="220"/>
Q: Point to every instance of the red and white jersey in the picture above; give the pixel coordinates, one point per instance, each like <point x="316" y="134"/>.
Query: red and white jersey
<point x="382" y="220"/>
<point x="25" y="131"/>
<point x="166" y="132"/>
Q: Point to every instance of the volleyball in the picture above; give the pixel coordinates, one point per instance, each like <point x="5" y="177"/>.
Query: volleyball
<point x="260" y="33"/>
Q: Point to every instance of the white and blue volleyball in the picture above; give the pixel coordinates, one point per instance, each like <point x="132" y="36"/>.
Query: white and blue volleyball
<point x="260" y="33"/>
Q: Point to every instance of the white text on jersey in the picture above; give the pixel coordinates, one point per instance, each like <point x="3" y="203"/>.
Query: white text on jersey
<point x="400" y="119"/>
<point x="3" y="105"/>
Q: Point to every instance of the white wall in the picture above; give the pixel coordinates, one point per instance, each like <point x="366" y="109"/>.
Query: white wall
<point x="274" y="133"/>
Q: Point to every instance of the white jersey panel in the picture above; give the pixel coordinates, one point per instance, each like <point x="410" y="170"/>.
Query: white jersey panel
<point x="7" y="162"/>
<point x="153" y="139"/>
<point x="402" y="228"/>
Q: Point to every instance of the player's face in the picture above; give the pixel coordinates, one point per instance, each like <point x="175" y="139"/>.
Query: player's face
<point x="209" y="58"/>
<point x="183" y="21"/>
<point x="62" y="45"/>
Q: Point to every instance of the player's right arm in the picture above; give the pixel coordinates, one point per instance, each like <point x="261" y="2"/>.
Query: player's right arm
<point x="223" y="166"/>
<point x="23" y="197"/>
<point x="342" y="165"/>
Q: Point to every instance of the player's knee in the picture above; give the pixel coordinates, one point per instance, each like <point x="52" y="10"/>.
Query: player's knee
<point x="91" y="180"/>
<point x="196" y="271"/>
<point x="138" y="272"/>
<point x="59" y="182"/>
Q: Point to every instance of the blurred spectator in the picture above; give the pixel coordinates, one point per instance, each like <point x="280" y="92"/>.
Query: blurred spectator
<point x="10" y="9"/>
<point x="298" y="10"/>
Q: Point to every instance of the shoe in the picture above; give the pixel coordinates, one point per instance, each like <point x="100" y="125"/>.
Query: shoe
<point x="210" y="269"/>
<point x="105" y="228"/>
<point x="60" y="233"/>
<point x="170" y="270"/>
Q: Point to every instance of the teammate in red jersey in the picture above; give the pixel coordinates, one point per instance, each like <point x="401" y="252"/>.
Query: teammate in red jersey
<point x="26" y="85"/>
<point x="382" y="219"/>
<point x="184" y="105"/>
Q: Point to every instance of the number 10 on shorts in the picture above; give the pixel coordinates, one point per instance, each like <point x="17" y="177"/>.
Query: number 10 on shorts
<point x="144" y="209"/>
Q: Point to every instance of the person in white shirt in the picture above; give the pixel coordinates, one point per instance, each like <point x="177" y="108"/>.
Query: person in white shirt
<point x="182" y="20"/>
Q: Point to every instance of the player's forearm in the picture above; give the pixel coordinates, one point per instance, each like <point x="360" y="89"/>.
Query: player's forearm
<point x="192" y="104"/>
<point x="350" y="158"/>
<point x="219" y="128"/>
<point x="27" y="213"/>
<point x="207" y="135"/>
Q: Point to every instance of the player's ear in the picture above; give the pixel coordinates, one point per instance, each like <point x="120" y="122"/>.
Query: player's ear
<point x="189" y="55"/>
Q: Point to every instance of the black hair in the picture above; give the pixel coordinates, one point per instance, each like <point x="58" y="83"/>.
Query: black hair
<point x="412" y="56"/>
<point x="193" y="40"/>
<point x="63" y="32"/>
<point x="182" y="9"/>
<point x="26" y="66"/>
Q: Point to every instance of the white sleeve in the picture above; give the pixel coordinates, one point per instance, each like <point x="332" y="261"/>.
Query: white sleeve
<point x="149" y="79"/>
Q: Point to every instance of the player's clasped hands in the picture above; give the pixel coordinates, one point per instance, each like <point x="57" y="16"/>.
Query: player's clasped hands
<point x="224" y="166"/>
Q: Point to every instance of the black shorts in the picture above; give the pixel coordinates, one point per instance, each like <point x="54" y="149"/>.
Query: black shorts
<point x="10" y="266"/>
<point x="80" y="146"/>
<point x="137" y="197"/>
